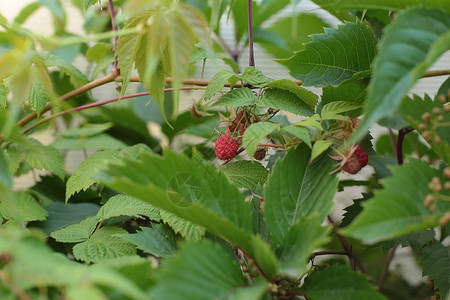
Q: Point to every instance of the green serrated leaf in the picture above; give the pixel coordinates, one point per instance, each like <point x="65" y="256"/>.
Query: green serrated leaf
<point x="289" y="194"/>
<point x="398" y="208"/>
<point x="5" y="175"/>
<point x="217" y="83"/>
<point x="99" y="142"/>
<point x="246" y="174"/>
<point x="209" y="262"/>
<point x="103" y="244"/>
<point x="337" y="107"/>
<point x="284" y="100"/>
<point x="77" y="232"/>
<point x="301" y="132"/>
<point x="354" y="47"/>
<point x="125" y="205"/>
<point x="383" y="4"/>
<point x="186" y="229"/>
<point x="339" y="283"/>
<point x="303" y="94"/>
<point x="254" y="77"/>
<point x="99" y="51"/>
<point x="436" y="264"/>
<point x="89" y="3"/>
<point x="409" y="47"/>
<point x="319" y="147"/>
<point x="255" y="133"/>
<point x="412" y="109"/>
<point x="159" y="240"/>
<point x="76" y="77"/>
<point x="300" y="241"/>
<point x="237" y="97"/>
<point x="22" y="207"/>
<point x="42" y="157"/>
<point x="40" y="88"/>
<point x="82" y="178"/>
<point x="254" y="292"/>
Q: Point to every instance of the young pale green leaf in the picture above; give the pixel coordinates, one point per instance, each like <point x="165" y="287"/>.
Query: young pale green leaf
<point x="409" y="47"/>
<point x="289" y="194"/>
<point x="255" y="133"/>
<point x="43" y="157"/>
<point x="127" y="46"/>
<point x="38" y="96"/>
<point x="183" y="227"/>
<point x="412" y="109"/>
<point x="383" y="4"/>
<point x="89" y="3"/>
<point x="22" y="207"/>
<point x="339" y="283"/>
<point x="285" y="100"/>
<point x="303" y="94"/>
<point x="300" y="132"/>
<point x="26" y="12"/>
<point x="5" y="176"/>
<point x="103" y="244"/>
<point x="398" y="208"/>
<point x="300" y="241"/>
<point x="3" y="95"/>
<point x="55" y="6"/>
<point x="159" y="240"/>
<point x="82" y="292"/>
<point x="125" y="205"/>
<point x="337" y="107"/>
<point x="246" y="174"/>
<point x="98" y="52"/>
<point x="319" y="147"/>
<point x="76" y="77"/>
<point x="216" y="274"/>
<point x="77" y="232"/>
<point x="265" y="257"/>
<point x="354" y="47"/>
<point x="436" y="264"/>
<point x="217" y="83"/>
<point x="82" y="178"/>
<point x="237" y="97"/>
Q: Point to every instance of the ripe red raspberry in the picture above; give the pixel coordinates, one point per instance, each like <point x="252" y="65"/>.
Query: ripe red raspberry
<point x="362" y="156"/>
<point x="351" y="165"/>
<point x="226" y="148"/>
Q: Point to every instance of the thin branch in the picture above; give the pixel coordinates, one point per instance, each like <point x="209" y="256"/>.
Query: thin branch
<point x="251" y="59"/>
<point x="354" y="259"/>
<point x="96" y="83"/>
<point x="386" y="267"/>
<point x="99" y="103"/>
<point x="326" y="252"/>
<point x="436" y="73"/>
<point x="115" y="28"/>
<point x="393" y="142"/>
<point x="14" y="286"/>
<point x="113" y="77"/>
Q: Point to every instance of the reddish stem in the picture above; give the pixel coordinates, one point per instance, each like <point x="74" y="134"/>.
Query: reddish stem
<point x="251" y="59"/>
<point x="115" y="28"/>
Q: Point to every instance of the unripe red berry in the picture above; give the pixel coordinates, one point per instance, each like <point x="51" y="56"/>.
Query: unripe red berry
<point x="352" y="165"/>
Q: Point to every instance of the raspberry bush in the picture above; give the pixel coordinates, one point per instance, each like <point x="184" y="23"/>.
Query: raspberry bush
<point x="236" y="198"/>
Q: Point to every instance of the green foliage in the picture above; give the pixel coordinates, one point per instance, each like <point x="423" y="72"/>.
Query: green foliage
<point x="124" y="205"/>
<point x="246" y="174"/>
<point x="209" y="263"/>
<point x="436" y="264"/>
<point x="153" y="213"/>
<point x="288" y="195"/>
<point x="339" y="282"/>
<point x="397" y="211"/>
<point x="354" y="47"/>
<point x="158" y="240"/>
<point x="403" y="58"/>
